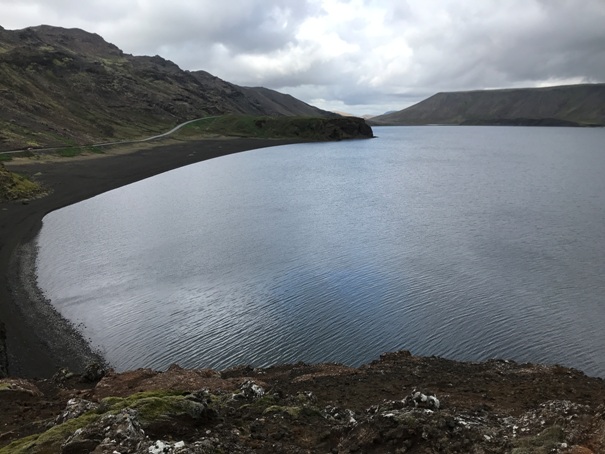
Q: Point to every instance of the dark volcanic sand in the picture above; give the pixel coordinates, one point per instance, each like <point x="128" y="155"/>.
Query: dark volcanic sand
<point x="39" y="341"/>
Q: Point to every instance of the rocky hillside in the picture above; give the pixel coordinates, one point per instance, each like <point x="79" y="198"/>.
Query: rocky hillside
<point x="397" y="404"/>
<point x="572" y="105"/>
<point x="62" y="87"/>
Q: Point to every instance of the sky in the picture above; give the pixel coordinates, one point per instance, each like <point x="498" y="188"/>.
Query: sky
<point x="356" y="56"/>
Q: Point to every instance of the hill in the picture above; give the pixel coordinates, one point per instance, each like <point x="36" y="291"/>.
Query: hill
<point x="570" y="105"/>
<point x="62" y="87"/>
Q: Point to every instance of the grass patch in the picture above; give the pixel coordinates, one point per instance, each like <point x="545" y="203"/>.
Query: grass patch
<point x="58" y="138"/>
<point x="14" y="186"/>
<point x="21" y="154"/>
<point x="71" y="152"/>
<point x="154" y="405"/>
<point x="150" y="406"/>
<point x="119" y="403"/>
<point x="51" y="440"/>
<point x="304" y="128"/>
<point x="249" y="126"/>
<point x="96" y="150"/>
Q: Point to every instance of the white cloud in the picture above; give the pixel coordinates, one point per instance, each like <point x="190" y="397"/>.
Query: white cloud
<point x="365" y="56"/>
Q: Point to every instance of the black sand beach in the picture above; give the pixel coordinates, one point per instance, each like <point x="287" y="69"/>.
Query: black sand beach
<point x="39" y="342"/>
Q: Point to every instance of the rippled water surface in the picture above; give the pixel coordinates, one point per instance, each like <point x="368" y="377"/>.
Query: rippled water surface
<point x="464" y="242"/>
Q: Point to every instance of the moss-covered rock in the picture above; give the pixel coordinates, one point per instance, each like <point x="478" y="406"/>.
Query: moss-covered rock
<point x="16" y="187"/>
<point x="128" y="417"/>
<point x="50" y="442"/>
<point x="151" y="409"/>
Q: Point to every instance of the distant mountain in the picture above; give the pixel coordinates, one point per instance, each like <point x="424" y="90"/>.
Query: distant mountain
<point x="67" y="86"/>
<point x="347" y="114"/>
<point x="570" y="105"/>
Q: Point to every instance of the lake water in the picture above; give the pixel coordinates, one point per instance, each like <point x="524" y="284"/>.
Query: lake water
<point x="464" y="242"/>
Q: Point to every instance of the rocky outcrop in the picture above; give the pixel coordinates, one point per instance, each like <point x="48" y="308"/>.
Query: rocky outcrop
<point x="400" y="403"/>
<point x="341" y="128"/>
<point x="347" y="128"/>
<point x="298" y="128"/>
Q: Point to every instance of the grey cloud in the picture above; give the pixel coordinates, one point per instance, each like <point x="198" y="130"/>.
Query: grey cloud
<point x="250" y="26"/>
<point x="368" y="53"/>
<point x="70" y="10"/>
<point x="481" y="50"/>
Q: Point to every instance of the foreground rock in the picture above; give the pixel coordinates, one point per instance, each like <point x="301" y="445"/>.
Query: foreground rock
<point x="400" y="403"/>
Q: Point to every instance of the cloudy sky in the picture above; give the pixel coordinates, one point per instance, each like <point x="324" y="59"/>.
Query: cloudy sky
<point x="358" y="56"/>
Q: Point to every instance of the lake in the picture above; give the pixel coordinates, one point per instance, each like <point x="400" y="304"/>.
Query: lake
<point x="464" y="242"/>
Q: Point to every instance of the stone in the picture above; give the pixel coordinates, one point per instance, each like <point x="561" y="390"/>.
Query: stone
<point x="93" y="373"/>
<point x="120" y="432"/>
<point x="418" y="399"/>
<point x="75" y="407"/>
<point x="62" y="375"/>
<point x="249" y="390"/>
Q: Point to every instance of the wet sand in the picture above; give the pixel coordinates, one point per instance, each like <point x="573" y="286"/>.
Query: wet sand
<point x="39" y="342"/>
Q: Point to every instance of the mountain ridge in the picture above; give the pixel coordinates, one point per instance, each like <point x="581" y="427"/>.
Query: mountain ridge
<point x="65" y="87"/>
<point x="564" y="105"/>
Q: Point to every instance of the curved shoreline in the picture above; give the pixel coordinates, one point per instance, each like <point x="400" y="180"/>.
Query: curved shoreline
<point x="38" y="340"/>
